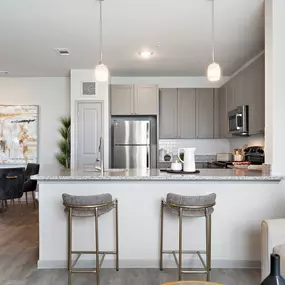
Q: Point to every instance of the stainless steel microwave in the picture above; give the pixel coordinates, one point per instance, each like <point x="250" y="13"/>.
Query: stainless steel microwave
<point x="238" y="121"/>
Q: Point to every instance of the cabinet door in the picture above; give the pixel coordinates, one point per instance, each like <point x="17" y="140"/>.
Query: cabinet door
<point x="186" y="113"/>
<point x="204" y="113"/>
<point x="223" y="114"/>
<point x="258" y="97"/>
<point x="89" y="130"/>
<point x="216" y="114"/>
<point x="146" y="100"/>
<point x="122" y="100"/>
<point x="168" y="113"/>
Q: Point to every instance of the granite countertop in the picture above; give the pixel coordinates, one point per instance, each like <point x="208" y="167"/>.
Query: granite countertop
<point x="51" y="174"/>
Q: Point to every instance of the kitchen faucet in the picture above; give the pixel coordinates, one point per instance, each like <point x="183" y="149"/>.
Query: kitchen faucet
<point x="101" y="159"/>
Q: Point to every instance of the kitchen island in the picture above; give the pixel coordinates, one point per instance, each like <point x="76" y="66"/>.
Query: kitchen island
<point x="244" y="199"/>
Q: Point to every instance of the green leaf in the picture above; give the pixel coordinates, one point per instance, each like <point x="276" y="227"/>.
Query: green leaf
<point x="64" y="144"/>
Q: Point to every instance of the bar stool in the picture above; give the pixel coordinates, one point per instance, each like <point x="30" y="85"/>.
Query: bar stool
<point x="89" y="206"/>
<point x="193" y="207"/>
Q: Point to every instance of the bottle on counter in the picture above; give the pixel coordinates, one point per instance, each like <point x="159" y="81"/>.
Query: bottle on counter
<point x="274" y="278"/>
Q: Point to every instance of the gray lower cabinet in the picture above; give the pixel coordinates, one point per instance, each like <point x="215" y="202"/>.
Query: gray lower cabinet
<point x="168" y="112"/>
<point x="186" y="113"/>
<point x="205" y="113"/>
<point x="134" y="100"/>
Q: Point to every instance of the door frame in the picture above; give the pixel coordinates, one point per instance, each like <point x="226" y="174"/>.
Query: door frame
<point x="77" y="102"/>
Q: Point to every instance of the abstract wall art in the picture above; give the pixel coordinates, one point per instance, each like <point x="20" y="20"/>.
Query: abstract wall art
<point x="18" y="134"/>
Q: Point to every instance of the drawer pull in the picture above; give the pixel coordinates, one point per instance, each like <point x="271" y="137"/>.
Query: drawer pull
<point x="11" y="177"/>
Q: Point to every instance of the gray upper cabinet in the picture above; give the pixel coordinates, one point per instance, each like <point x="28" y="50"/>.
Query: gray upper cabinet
<point x="204" y="113"/>
<point x="246" y="88"/>
<point x="186" y="113"/>
<point x="223" y="114"/>
<point x="122" y="100"/>
<point x="168" y="112"/>
<point x="134" y="100"/>
<point x="146" y="100"/>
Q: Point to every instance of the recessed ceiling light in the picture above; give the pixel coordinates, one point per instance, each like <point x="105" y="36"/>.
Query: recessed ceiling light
<point x="62" y="51"/>
<point x="146" y="54"/>
<point x="2" y="72"/>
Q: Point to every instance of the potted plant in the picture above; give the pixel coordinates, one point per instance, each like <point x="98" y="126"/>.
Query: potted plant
<point x="63" y="157"/>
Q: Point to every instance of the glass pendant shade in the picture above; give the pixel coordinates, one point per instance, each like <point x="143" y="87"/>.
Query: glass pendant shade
<point x="101" y="73"/>
<point x="214" y="72"/>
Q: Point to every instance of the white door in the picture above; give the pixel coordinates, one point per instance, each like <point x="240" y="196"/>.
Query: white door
<point x="89" y="131"/>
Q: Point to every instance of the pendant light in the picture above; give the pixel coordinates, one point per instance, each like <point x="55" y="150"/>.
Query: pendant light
<point x="214" y="70"/>
<point x="101" y="70"/>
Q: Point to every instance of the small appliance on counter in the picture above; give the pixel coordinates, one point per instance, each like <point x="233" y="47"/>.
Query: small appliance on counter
<point x="254" y="154"/>
<point x="238" y="154"/>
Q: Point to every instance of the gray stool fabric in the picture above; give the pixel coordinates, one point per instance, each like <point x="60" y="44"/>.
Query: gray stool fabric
<point x="87" y="201"/>
<point x="181" y="200"/>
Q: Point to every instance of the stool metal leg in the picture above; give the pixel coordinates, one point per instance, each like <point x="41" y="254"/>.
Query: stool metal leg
<point x="69" y="245"/>
<point x="117" y="237"/>
<point x="161" y="234"/>
<point x="97" y="248"/>
<point x="208" y="245"/>
<point x="180" y="246"/>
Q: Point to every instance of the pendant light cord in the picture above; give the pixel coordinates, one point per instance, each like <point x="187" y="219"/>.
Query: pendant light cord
<point x="213" y="31"/>
<point x="101" y="36"/>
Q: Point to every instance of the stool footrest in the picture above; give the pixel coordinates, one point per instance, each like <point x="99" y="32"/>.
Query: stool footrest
<point x="92" y="252"/>
<point x="83" y="270"/>
<point x="194" y="271"/>
<point x="185" y="251"/>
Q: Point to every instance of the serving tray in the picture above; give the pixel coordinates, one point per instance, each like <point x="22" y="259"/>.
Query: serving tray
<point x="181" y="171"/>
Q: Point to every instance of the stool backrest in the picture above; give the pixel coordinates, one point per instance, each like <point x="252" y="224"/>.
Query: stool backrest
<point x="11" y="183"/>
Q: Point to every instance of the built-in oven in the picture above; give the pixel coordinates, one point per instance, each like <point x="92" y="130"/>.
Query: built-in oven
<point x="238" y="121"/>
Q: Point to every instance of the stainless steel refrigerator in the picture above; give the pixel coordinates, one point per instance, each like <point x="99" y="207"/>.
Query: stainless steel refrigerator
<point x="131" y="144"/>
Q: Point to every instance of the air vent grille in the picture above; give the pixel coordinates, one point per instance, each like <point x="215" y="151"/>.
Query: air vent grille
<point x="63" y="51"/>
<point x="88" y="88"/>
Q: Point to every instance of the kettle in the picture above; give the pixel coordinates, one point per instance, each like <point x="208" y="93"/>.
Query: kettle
<point x="189" y="159"/>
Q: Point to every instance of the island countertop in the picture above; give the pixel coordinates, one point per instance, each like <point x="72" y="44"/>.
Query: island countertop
<point x="51" y="174"/>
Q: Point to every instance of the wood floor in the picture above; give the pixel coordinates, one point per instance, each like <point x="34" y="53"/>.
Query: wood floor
<point x="19" y="254"/>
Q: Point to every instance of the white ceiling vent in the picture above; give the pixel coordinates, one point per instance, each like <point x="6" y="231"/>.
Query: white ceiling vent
<point x="63" y="51"/>
<point x="88" y="88"/>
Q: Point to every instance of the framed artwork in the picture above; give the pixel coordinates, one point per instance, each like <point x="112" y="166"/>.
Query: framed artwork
<point x="19" y="134"/>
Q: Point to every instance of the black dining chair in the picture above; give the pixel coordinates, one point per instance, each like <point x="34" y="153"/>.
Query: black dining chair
<point x="30" y="185"/>
<point x="11" y="184"/>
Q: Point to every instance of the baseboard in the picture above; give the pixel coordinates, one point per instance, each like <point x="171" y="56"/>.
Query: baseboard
<point x="56" y="264"/>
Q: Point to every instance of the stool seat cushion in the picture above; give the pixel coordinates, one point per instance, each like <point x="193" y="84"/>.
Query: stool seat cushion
<point x="72" y="200"/>
<point x="199" y="200"/>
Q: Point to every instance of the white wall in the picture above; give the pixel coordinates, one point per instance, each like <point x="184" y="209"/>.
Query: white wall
<point x="52" y="96"/>
<point x="274" y="91"/>
<point x="171" y="82"/>
<point x="102" y="94"/>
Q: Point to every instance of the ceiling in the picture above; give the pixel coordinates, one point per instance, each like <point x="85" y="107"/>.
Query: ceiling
<point x="31" y="29"/>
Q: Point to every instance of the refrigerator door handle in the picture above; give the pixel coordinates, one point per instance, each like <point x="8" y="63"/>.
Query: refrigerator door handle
<point x="147" y="157"/>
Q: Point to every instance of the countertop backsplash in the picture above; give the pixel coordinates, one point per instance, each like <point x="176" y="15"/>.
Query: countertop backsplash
<point x="204" y="147"/>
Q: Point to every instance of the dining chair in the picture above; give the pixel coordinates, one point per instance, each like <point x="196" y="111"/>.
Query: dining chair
<point x="30" y="185"/>
<point x="11" y="185"/>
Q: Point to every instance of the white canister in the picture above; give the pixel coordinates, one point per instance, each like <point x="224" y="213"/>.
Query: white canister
<point x="176" y="166"/>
